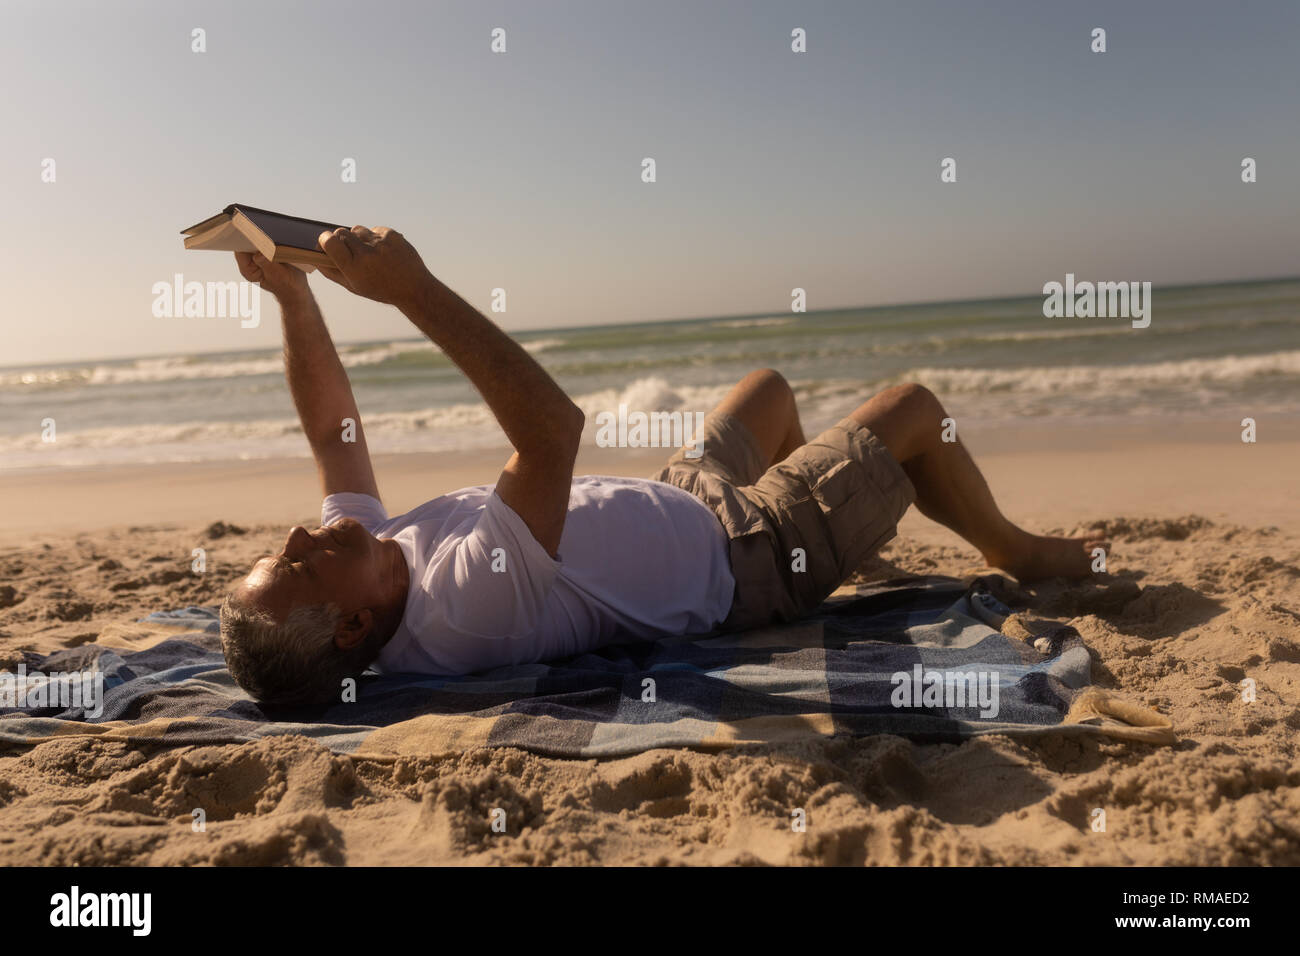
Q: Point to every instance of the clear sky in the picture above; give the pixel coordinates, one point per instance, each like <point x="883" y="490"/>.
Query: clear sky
<point x="523" y="170"/>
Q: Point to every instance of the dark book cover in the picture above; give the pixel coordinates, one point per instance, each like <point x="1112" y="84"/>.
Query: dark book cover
<point x="293" y="231"/>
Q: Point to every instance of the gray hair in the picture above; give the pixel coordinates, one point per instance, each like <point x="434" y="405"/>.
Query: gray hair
<point x="294" y="664"/>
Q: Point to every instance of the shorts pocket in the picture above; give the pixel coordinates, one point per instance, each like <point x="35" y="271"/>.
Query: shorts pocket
<point x="818" y="574"/>
<point x="856" y="526"/>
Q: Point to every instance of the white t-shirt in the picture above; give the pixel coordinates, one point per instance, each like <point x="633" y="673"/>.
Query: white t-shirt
<point x="638" y="559"/>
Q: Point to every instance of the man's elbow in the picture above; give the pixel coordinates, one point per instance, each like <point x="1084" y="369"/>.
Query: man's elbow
<point x="558" y="438"/>
<point x="572" y="431"/>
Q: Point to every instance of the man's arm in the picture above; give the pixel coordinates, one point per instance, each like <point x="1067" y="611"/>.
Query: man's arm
<point x="317" y="380"/>
<point x="540" y="421"/>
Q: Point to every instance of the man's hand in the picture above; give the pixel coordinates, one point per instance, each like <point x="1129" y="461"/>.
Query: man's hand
<point x="282" y="281"/>
<point x="379" y="265"/>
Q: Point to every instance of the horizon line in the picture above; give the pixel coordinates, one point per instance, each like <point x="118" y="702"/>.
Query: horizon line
<point x="917" y="304"/>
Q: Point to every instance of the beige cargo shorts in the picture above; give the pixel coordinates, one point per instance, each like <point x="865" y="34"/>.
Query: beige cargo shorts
<point x="838" y="499"/>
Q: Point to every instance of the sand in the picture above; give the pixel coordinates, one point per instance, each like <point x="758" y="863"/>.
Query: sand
<point x="1205" y="593"/>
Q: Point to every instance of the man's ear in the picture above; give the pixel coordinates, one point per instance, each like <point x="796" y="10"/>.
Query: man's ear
<point x="353" y="628"/>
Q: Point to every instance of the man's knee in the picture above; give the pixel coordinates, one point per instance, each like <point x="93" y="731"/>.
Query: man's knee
<point x="907" y="418"/>
<point x="768" y="388"/>
<point x="768" y="378"/>
<point x="912" y="399"/>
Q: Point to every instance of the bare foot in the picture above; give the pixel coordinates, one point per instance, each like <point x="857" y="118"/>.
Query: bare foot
<point x="1043" y="557"/>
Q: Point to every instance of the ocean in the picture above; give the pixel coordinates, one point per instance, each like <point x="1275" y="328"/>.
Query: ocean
<point x="1211" y="352"/>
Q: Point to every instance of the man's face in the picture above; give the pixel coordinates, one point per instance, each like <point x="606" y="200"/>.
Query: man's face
<point x="341" y="564"/>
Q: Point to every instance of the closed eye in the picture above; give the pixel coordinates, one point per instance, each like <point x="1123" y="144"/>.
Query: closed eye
<point x="286" y="564"/>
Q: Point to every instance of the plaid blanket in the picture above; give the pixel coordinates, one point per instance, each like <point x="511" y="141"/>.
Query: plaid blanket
<point x="920" y="658"/>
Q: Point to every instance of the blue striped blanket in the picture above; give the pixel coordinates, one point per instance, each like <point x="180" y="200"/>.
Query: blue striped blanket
<point x="922" y="658"/>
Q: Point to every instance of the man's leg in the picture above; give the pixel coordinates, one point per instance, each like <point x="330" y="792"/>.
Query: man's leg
<point x="951" y="490"/>
<point x="764" y="403"/>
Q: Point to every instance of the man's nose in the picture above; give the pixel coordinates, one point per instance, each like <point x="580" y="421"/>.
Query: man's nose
<point x="298" y="543"/>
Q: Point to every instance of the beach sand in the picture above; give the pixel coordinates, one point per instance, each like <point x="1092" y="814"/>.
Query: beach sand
<point x="1206" y="557"/>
